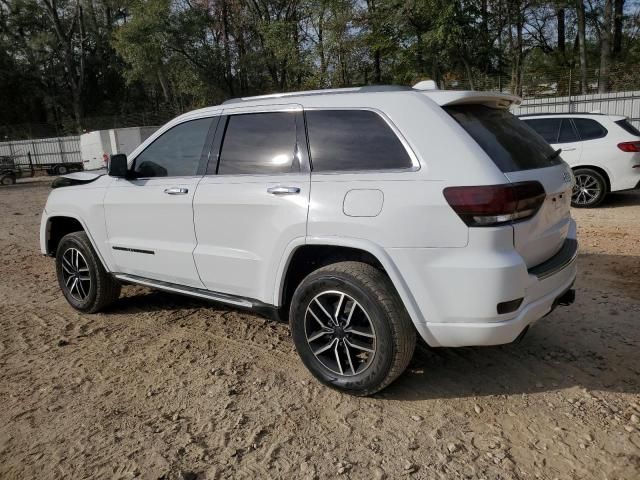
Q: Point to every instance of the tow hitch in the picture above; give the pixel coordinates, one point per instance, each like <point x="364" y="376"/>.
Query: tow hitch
<point x="567" y="298"/>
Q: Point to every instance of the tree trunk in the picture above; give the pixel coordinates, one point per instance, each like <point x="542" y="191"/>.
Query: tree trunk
<point x="377" y="69"/>
<point x="227" y="50"/>
<point x="561" y="34"/>
<point x="162" y="79"/>
<point x="582" y="41"/>
<point x="617" y="27"/>
<point x="605" y="47"/>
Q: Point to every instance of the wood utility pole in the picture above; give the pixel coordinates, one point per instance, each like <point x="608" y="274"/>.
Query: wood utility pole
<point x="582" y="45"/>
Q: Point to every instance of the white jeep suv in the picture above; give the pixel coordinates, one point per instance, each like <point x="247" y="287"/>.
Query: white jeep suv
<point x="603" y="151"/>
<point x="363" y="216"/>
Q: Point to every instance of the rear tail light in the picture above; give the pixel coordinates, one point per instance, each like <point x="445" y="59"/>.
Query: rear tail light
<point x="491" y="205"/>
<point x="629" y="146"/>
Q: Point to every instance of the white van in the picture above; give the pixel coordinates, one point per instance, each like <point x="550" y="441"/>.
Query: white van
<point x="96" y="147"/>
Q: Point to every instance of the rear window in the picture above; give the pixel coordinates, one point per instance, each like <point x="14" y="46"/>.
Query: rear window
<point x="509" y="142"/>
<point x="628" y="127"/>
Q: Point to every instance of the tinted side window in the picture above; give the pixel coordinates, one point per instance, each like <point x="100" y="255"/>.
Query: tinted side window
<point x="547" y="128"/>
<point x="589" y="129"/>
<point x="353" y="140"/>
<point x="176" y="153"/>
<point x="259" y="143"/>
<point x="567" y="132"/>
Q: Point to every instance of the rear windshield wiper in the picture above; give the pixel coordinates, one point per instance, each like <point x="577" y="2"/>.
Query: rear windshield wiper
<point x="555" y="154"/>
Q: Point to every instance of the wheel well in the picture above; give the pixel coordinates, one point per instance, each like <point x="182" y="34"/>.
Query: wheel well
<point x="58" y="228"/>
<point x="308" y="258"/>
<point x="601" y="171"/>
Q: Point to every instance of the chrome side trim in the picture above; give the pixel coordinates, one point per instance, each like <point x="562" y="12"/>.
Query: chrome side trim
<point x="183" y="290"/>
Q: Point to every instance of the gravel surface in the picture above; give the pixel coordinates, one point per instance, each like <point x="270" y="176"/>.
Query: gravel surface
<point x="162" y="386"/>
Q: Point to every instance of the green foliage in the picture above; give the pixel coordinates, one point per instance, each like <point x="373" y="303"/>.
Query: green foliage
<point x="65" y="60"/>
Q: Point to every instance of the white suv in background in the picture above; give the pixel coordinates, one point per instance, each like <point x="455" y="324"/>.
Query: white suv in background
<point x="602" y="150"/>
<point x="362" y="215"/>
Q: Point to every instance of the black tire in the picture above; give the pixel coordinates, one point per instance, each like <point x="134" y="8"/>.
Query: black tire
<point x="98" y="289"/>
<point x="61" y="170"/>
<point x="589" y="190"/>
<point x="372" y="291"/>
<point x="8" y="179"/>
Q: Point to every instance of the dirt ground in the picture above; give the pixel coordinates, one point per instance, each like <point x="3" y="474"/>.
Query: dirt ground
<point x="162" y="386"/>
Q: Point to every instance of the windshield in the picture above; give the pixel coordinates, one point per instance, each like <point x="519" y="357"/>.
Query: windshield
<point x="509" y="142"/>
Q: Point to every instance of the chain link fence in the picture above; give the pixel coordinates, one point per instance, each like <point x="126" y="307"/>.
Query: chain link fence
<point x="543" y="89"/>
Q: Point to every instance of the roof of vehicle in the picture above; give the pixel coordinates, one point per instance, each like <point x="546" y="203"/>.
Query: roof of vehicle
<point x="357" y="95"/>
<point x="441" y="97"/>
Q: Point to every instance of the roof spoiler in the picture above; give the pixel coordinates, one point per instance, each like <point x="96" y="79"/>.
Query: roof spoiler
<point x="490" y="99"/>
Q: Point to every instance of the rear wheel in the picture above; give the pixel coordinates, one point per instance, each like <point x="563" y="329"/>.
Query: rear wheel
<point x="84" y="282"/>
<point x="589" y="190"/>
<point x="350" y="328"/>
<point x="8" y="179"/>
<point x="62" y="170"/>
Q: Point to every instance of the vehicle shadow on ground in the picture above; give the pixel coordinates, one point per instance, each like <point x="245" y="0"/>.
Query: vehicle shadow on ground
<point x="526" y="368"/>
<point x="552" y="356"/>
<point x="621" y="199"/>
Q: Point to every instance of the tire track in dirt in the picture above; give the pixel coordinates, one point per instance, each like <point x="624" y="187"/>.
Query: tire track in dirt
<point x="160" y="384"/>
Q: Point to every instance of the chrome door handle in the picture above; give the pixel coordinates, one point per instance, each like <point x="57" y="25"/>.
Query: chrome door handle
<point x="176" y="191"/>
<point x="283" y="190"/>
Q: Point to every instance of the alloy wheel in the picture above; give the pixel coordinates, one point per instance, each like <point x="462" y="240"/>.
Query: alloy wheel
<point x="75" y="274"/>
<point x="340" y="333"/>
<point x="586" y="190"/>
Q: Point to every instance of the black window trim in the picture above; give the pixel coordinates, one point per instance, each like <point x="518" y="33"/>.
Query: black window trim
<point x="301" y="142"/>
<point x="415" y="163"/>
<point x="204" y="155"/>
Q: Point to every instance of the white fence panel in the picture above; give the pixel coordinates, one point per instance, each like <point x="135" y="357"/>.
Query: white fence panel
<point x="44" y="151"/>
<point x="618" y="103"/>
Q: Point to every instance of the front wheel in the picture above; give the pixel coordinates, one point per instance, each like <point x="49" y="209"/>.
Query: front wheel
<point x="84" y="282"/>
<point x="589" y="190"/>
<point x="350" y="328"/>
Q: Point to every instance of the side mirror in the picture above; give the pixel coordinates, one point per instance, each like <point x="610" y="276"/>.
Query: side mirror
<point x="118" y="165"/>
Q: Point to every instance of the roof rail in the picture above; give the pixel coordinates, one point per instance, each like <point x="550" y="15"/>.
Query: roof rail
<point x="328" y="91"/>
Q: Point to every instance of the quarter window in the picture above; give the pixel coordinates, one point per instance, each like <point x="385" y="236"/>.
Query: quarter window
<point x="342" y="140"/>
<point x="176" y="153"/>
<point x="259" y="143"/>
<point x="589" y="129"/>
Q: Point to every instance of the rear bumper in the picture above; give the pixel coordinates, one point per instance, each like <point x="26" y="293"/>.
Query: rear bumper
<point x="498" y="333"/>
<point x="457" y="291"/>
